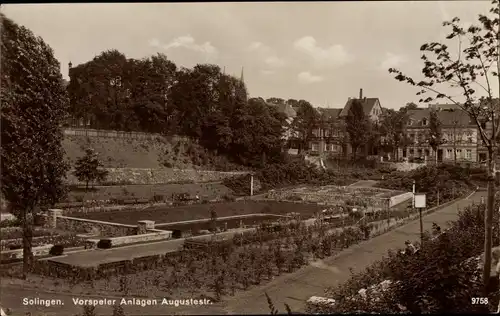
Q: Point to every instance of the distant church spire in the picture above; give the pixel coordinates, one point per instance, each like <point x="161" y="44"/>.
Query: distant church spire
<point x="224" y="70"/>
<point x="241" y="77"/>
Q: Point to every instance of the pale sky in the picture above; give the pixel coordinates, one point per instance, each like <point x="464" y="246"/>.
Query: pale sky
<point x="323" y="52"/>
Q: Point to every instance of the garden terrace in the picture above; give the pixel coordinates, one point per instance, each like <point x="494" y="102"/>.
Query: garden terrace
<point x="335" y="195"/>
<point x="169" y="214"/>
<point x="162" y="191"/>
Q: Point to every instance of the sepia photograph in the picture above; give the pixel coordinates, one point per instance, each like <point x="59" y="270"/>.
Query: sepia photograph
<point x="250" y="158"/>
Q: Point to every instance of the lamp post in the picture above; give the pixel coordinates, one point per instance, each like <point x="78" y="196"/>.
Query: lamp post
<point x="413" y="198"/>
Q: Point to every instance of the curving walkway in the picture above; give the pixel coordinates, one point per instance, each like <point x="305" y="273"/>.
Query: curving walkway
<point x="294" y="289"/>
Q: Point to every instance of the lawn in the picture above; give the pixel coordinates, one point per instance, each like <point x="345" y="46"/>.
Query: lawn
<point x="206" y="190"/>
<point x="168" y="214"/>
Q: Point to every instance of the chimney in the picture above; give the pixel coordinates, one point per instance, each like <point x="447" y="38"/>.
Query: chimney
<point x="361" y="93"/>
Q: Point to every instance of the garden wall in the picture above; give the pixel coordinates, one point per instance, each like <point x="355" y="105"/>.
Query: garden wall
<point x="158" y="176"/>
<point x="398" y="199"/>
<point x="79" y="225"/>
<point x="151" y="235"/>
<point x="403" y="166"/>
<point x="18" y="253"/>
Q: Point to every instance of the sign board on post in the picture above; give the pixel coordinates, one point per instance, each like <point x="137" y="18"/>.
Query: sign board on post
<point x="420" y="200"/>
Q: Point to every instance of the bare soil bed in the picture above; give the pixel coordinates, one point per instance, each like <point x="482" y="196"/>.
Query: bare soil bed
<point x="207" y="190"/>
<point x="168" y="214"/>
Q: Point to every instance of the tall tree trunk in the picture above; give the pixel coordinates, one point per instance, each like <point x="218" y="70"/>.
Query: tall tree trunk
<point x="488" y="219"/>
<point x="27" y="225"/>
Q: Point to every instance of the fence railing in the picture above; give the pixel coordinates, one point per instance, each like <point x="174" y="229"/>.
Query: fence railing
<point x="114" y="134"/>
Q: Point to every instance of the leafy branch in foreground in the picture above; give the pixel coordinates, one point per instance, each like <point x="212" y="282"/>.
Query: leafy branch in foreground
<point x="471" y="71"/>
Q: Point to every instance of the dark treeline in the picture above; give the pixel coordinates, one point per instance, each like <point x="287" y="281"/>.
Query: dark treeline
<point x="154" y="95"/>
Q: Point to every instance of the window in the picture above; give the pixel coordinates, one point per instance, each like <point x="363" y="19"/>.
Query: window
<point x="449" y="153"/>
<point x="412" y="151"/>
<point x="427" y="152"/>
<point x="459" y="153"/>
<point x="470" y="140"/>
<point x="468" y="154"/>
<point x="327" y="147"/>
<point x="424" y="122"/>
<point x="314" y="147"/>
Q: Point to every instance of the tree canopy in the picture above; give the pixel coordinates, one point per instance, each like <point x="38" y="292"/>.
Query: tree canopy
<point x="34" y="105"/>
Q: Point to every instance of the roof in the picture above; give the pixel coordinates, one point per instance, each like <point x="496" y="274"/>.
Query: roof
<point x="447" y="117"/>
<point x="368" y="104"/>
<point x="330" y="113"/>
<point x="285" y="109"/>
<point x="445" y="106"/>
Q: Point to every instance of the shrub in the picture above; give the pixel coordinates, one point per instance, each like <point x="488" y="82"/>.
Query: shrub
<point x="104" y="244"/>
<point x="228" y="198"/>
<point x="158" y="197"/>
<point x="56" y="250"/>
<point x="450" y="181"/>
<point x="419" y="280"/>
<point x="10" y="223"/>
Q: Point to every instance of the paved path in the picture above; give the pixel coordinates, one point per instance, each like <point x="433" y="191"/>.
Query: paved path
<point x="294" y="289"/>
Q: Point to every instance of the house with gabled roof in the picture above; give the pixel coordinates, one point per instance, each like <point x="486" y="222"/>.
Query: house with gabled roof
<point x="459" y="135"/>
<point x="371" y="107"/>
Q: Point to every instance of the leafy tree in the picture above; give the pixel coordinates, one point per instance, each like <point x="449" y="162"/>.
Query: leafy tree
<point x="472" y="69"/>
<point x="151" y="82"/>
<point x="357" y="127"/>
<point x="257" y="134"/>
<point x="410" y="106"/>
<point x="304" y="124"/>
<point x="89" y="168"/>
<point x="34" y="104"/>
<point x="435" y="133"/>
<point x="99" y="91"/>
<point x="393" y="130"/>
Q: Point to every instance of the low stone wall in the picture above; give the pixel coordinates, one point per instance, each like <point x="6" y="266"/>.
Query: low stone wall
<point x="398" y="199"/>
<point x="158" y="176"/>
<point x="80" y="225"/>
<point x="151" y="235"/>
<point x="404" y="166"/>
<point x="18" y="253"/>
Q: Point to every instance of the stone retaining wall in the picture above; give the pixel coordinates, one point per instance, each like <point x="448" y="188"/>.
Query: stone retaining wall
<point x="404" y="166"/>
<point x="18" y="253"/>
<point x="158" y="176"/>
<point x="80" y="225"/>
<point x="398" y="199"/>
<point x="151" y="235"/>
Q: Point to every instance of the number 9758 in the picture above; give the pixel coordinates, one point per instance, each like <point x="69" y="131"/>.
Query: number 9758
<point x="479" y="301"/>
